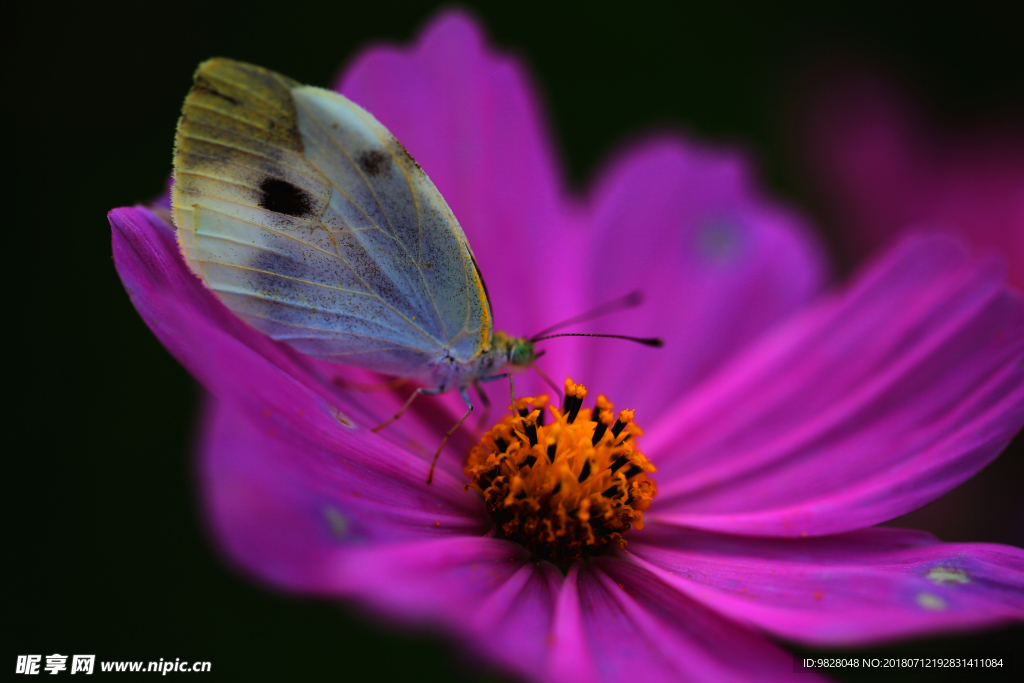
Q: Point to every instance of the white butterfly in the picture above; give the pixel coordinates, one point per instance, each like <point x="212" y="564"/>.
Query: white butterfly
<point x="311" y="222"/>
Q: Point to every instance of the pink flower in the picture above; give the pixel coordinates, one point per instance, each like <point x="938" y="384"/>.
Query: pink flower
<point x="783" y="423"/>
<point x="884" y="167"/>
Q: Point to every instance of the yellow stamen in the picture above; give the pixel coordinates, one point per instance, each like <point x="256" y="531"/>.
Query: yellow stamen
<point x="565" y="490"/>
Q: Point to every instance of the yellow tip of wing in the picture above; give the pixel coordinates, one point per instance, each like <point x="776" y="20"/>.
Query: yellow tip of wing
<point x="236" y="117"/>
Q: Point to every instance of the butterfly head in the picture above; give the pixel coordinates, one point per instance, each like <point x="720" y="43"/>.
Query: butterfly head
<point x="522" y="353"/>
<point x="517" y="353"/>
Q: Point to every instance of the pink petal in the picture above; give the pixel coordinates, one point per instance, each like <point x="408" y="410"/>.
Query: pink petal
<point x="885" y="167"/>
<point x="283" y="509"/>
<point x="570" y="658"/>
<point x="718" y="262"/>
<point x="486" y="591"/>
<point x="852" y="589"/>
<point x="861" y="409"/>
<point x="640" y="627"/>
<point x="274" y="384"/>
<point x="600" y="622"/>
<point x="470" y="116"/>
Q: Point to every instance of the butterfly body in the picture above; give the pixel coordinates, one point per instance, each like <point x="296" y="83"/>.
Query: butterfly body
<point x="311" y="222"/>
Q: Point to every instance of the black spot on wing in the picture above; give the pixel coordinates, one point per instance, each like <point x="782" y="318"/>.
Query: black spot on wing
<point x="281" y="196"/>
<point x="373" y="162"/>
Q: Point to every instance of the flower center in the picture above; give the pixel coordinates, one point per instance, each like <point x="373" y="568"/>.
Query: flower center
<point x="565" y="490"/>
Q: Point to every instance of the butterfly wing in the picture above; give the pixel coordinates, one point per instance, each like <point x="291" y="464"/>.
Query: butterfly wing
<point x="311" y="222"/>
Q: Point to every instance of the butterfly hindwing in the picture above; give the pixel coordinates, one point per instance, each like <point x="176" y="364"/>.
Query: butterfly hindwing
<point x="311" y="222"/>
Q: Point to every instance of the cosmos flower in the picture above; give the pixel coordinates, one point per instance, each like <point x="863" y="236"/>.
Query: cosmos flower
<point x="779" y="423"/>
<point x="885" y="167"/>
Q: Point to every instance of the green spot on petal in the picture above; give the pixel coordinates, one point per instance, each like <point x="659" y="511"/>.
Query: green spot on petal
<point x="718" y="242"/>
<point x="945" y="575"/>
<point x="930" y="601"/>
<point x="338" y="522"/>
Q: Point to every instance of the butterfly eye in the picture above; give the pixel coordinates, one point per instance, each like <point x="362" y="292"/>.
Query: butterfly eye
<point x="522" y="354"/>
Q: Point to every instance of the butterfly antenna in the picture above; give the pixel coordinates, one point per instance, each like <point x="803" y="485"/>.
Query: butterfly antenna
<point x="623" y="303"/>
<point x="656" y="342"/>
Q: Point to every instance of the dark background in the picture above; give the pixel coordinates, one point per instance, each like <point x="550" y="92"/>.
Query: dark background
<point x="107" y="545"/>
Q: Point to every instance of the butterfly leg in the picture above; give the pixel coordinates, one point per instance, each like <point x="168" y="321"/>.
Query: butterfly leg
<point x="485" y="414"/>
<point x="511" y="386"/>
<point x="408" y="402"/>
<point x="469" y="409"/>
<point x="547" y="380"/>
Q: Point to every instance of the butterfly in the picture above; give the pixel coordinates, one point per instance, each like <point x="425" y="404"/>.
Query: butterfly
<point x="312" y="223"/>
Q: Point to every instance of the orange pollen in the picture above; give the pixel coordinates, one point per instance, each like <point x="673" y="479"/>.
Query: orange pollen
<point x="565" y="490"/>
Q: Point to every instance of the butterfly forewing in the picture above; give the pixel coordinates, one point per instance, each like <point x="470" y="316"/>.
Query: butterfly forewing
<point x="398" y="217"/>
<point x="311" y="222"/>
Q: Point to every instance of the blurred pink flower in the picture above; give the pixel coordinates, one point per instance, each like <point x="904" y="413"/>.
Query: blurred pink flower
<point x="783" y="423"/>
<point x="886" y="168"/>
